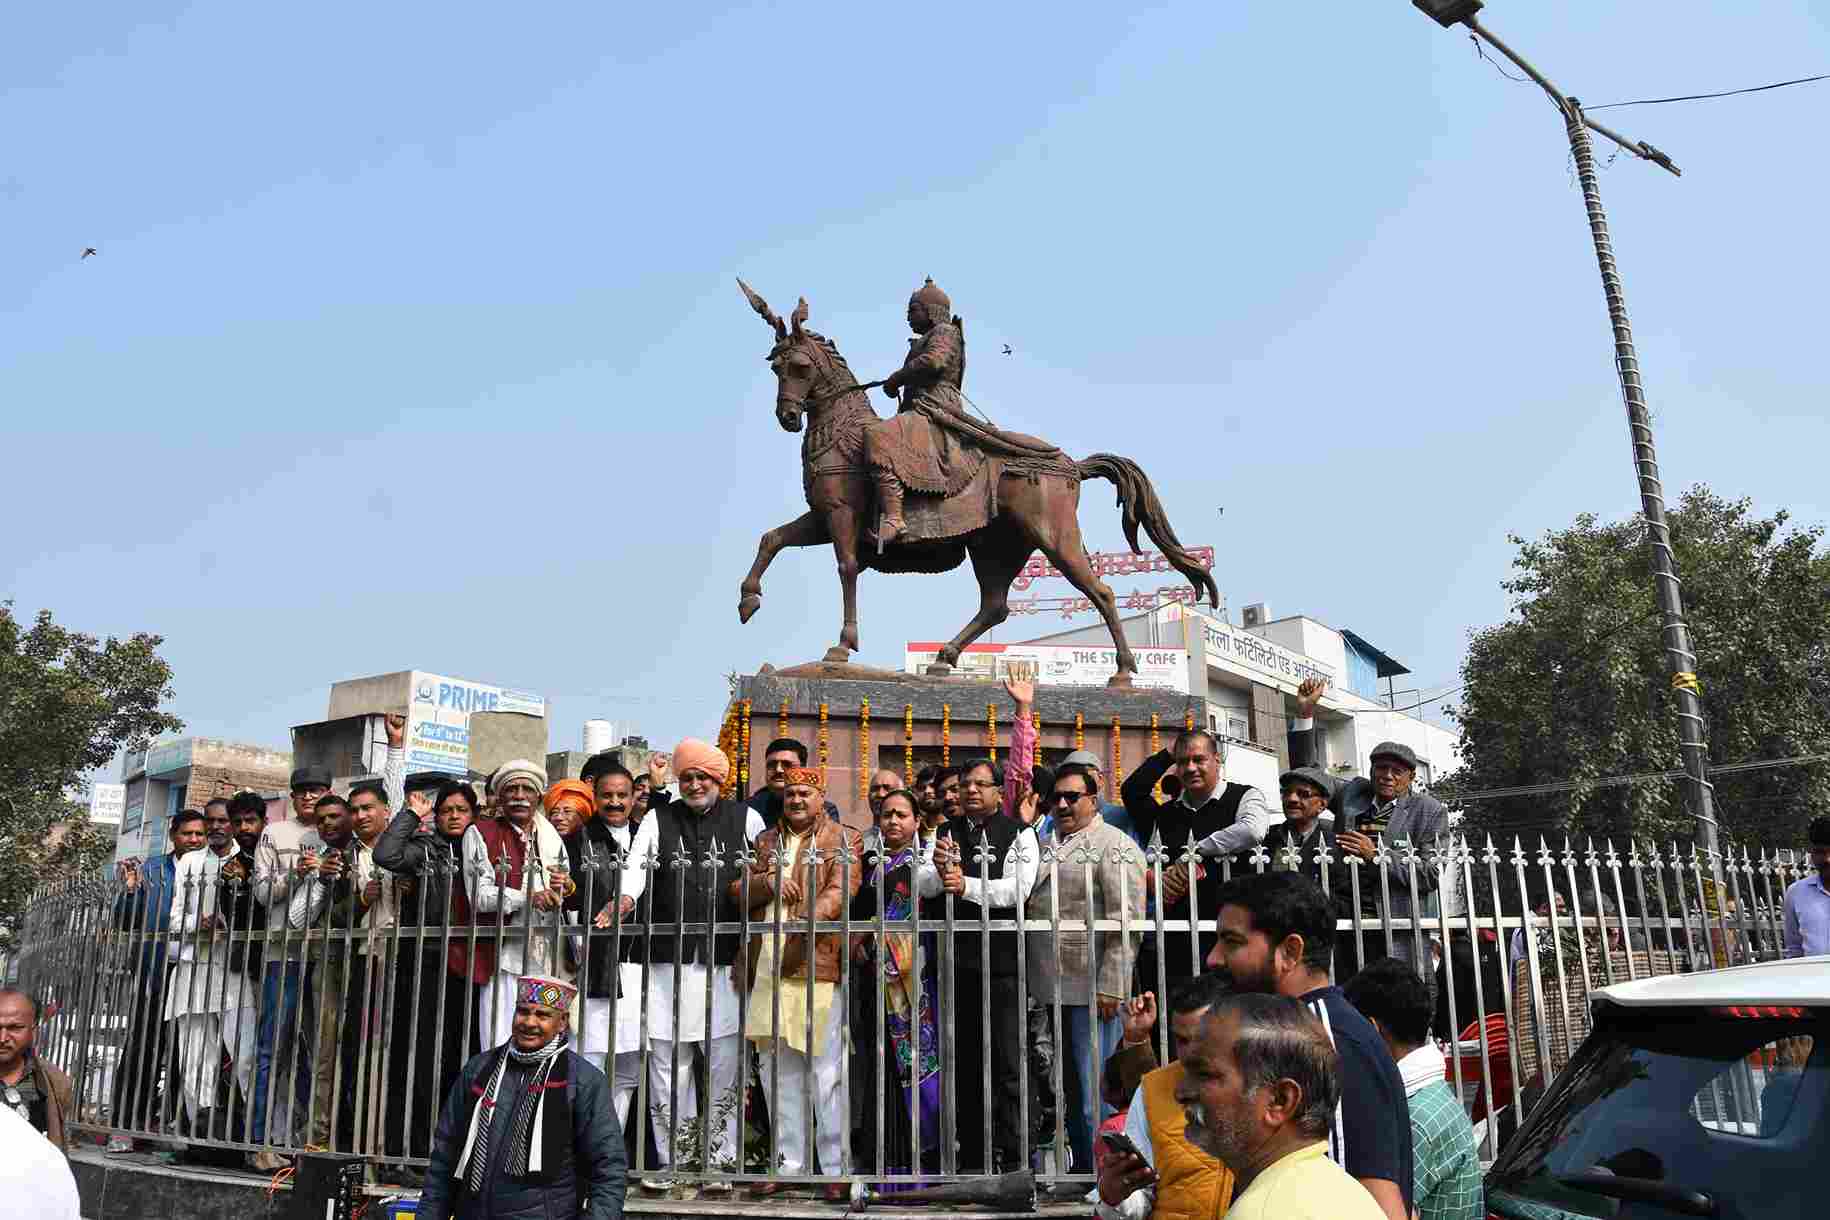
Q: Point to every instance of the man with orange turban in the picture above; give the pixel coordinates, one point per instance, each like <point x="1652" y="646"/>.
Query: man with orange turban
<point x="709" y="829"/>
<point x="592" y="847"/>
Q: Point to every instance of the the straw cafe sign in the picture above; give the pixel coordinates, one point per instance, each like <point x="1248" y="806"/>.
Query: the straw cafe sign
<point x="1059" y="664"/>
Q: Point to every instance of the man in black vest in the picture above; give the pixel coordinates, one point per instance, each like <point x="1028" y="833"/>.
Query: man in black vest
<point x="1217" y="820"/>
<point x="992" y="888"/>
<point x="683" y="968"/>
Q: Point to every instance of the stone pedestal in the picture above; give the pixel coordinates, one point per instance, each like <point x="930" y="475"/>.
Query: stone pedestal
<point x="936" y="718"/>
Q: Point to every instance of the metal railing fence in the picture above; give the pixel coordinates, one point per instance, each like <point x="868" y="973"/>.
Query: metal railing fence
<point x="182" y="1010"/>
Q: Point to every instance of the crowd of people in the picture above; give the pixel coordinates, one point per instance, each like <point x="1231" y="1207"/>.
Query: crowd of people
<point x="377" y="971"/>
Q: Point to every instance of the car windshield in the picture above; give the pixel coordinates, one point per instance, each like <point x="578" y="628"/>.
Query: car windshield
<point x="1678" y="1112"/>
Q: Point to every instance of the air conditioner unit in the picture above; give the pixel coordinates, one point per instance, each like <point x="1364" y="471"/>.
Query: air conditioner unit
<point x="1256" y="615"/>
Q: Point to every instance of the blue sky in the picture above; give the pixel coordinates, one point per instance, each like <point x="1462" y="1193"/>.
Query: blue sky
<point x="412" y="340"/>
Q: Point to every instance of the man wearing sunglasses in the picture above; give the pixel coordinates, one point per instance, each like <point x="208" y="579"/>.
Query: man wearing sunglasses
<point x="1070" y="968"/>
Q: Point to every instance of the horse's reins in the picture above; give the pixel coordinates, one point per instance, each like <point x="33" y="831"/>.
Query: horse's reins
<point x="820" y="400"/>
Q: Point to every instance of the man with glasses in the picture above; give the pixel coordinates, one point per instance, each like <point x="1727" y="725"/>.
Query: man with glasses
<point x="1071" y="968"/>
<point x="1367" y="811"/>
<point x="992" y="888"/>
<point x="288" y="851"/>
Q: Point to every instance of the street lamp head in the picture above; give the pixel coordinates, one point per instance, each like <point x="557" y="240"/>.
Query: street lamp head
<point x="1447" y="13"/>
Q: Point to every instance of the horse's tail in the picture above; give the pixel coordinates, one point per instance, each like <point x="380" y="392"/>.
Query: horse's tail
<point x="1138" y="499"/>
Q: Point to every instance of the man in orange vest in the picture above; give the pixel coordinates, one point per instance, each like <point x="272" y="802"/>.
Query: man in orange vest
<point x="1168" y="1176"/>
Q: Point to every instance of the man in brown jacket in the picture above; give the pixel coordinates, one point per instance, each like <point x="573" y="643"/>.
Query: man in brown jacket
<point x="806" y="868"/>
<point x="38" y="1092"/>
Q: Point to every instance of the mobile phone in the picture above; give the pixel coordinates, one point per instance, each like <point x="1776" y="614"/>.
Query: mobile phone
<point x="1119" y="1142"/>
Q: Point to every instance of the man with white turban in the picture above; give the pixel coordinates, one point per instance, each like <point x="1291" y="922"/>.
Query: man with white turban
<point x="678" y="990"/>
<point x="515" y="871"/>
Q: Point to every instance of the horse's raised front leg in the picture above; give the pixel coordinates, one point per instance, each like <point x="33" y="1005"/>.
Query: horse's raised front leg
<point x="808" y="529"/>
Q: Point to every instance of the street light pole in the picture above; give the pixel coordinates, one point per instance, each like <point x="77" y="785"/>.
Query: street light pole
<point x="1679" y="655"/>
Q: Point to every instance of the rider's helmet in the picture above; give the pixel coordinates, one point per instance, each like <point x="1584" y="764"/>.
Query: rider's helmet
<point x="930" y="302"/>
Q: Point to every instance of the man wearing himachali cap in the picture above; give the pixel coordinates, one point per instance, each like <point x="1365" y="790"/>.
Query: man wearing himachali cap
<point x="528" y="1129"/>
<point x="793" y="1021"/>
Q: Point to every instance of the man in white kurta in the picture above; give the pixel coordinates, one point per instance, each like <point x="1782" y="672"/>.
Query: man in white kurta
<point x="515" y="871"/>
<point x="618" y="1053"/>
<point x="210" y="1007"/>
<point x="690" y="824"/>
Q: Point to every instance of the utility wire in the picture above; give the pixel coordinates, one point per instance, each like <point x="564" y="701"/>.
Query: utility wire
<point x="1497" y="66"/>
<point x="1697" y="97"/>
<point x="1620" y="781"/>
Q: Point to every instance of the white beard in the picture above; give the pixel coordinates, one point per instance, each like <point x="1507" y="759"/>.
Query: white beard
<point x="699" y="804"/>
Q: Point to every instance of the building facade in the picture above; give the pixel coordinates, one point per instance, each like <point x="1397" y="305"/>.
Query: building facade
<point x="352" y="740"/>
<point x="185" y="772"/>
<point x="1245" y="681"/>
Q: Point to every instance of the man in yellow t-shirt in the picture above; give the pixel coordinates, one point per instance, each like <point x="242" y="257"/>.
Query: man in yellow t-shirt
<point x="1259" y="1087"/>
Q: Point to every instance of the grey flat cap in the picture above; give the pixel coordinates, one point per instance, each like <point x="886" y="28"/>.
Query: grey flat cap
<point x="1397" y="751"/>
<point x="1085" y="758"/>
<point x="1308" y="775"/>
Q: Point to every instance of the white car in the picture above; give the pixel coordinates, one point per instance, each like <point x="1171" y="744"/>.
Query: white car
<point x="1694" y="1095"/>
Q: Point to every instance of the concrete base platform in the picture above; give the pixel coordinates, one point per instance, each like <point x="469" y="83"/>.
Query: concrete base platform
<point x="150" y="1186"/>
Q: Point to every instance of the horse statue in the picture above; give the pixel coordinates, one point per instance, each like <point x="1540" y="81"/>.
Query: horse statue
<point x="1013" y="495"/>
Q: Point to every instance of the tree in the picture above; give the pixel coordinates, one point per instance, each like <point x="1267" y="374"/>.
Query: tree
<point x="1573" y="686"/>
<point x="68" y="704"/>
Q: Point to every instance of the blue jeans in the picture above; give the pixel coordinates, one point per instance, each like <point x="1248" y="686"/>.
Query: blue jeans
<point x="1083" y="1101"/>
<point x="282" y="994"/>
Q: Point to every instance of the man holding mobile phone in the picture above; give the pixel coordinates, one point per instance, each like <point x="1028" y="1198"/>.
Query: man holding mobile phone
<point x="1151" y="1169"/>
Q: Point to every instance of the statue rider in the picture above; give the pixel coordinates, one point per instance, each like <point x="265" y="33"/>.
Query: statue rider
<point x="910" y="448"/>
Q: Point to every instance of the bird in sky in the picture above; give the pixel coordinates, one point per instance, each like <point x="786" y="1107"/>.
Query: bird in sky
<point x="87" y="251"/>
<point x="1006" y="348"/>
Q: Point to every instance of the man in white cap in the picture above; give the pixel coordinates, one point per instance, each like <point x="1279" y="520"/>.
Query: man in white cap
<point x="515" y="872"/>
<point x="528" y="1129"/>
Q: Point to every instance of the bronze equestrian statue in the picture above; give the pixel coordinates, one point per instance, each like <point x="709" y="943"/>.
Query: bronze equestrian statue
<point x="946" y="487"/>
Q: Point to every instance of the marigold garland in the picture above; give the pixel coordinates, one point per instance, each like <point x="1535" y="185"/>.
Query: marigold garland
<point x="781" y="721"/>
<point x="1188" y="720"/>
<point x="743" y="752"/>
<point x="864" y="750"/>
<point x="824" y="749"/>
<point x="1118" y="750"/>
<point x="727" y="736"/>
<point x="946" y="734"/>
<point x="1080" y="730"/>
<point x="908" y="744"/>
<point x="1155" y="749"/>
<point x="991" y="731"/>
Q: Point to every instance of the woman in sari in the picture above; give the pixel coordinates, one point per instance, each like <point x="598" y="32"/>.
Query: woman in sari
<point x="911" y="1051"/>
